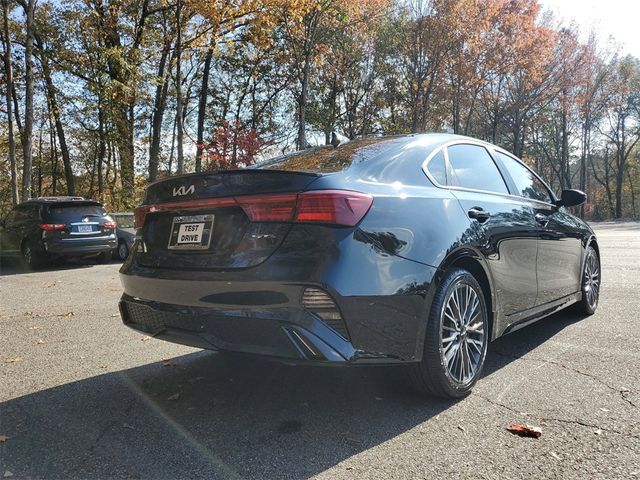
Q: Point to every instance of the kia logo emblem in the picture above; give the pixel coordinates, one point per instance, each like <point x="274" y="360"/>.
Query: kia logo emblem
<point x="182" y="190"/>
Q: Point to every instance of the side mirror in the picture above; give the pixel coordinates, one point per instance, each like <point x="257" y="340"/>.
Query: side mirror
<point x="571" y="198"/>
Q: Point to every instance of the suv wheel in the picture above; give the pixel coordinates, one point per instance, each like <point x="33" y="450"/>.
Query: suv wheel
<point x="32" y="257"/>
<point x="456" y="338"/>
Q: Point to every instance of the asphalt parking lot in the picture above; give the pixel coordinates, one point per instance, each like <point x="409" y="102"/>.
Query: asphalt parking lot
<point x="82" y="396"/>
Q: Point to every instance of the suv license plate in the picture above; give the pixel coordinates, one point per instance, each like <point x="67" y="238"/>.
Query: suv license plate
<point x="191" y="232"/>
<point x="85" y="228"/>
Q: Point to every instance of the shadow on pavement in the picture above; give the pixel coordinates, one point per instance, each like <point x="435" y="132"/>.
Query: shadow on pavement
<point x="14" y="266"/>
<point x="215" y="416"/>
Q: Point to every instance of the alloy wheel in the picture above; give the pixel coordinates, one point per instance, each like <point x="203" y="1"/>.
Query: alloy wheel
<point x="463" y="333"/>
<point x="592" y="279"/>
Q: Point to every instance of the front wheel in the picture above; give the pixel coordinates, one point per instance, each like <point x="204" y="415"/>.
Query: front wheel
<point x="122" y="251"/>
<point x="590" y="283"/>
<point x="456" y="339"/>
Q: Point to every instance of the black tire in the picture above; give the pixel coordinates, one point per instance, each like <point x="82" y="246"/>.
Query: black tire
<point x="33" y="258"/>
<point x="591" y="278"/>
<point x="104" y="257"/>
<point x="122" y="252"/>
<point x="435" y="375"/>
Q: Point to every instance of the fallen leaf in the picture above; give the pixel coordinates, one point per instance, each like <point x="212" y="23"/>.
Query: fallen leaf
<point x="605" y="409"/>
<point x="3" y="438"/>
<point x="175" y="396"/>
<point x="168" y="363"/>
<point x="13" y="360"/>
<point x="126" y="425"/>
<point x="525" y="430"/>
<point x="34" y="327"/>
<point x="145" y="338"/>
<point x="7" y="474"/>
<point x="115" y="315"/>
<point x="598" y="431"/>
<point x="40" y="342"/>
<point x="28" y="314"/>
<point x="67" y="314"/>
<point x="555" y="455"/>
<point x="461" y="428"/>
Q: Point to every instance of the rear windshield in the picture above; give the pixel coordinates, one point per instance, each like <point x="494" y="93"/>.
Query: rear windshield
<point x="328" y="159"/>
<point x="124" y="221"/>
<point x="74" y="213"/>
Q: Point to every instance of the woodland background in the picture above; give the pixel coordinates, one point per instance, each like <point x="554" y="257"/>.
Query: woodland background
<point x="99" y="97"/>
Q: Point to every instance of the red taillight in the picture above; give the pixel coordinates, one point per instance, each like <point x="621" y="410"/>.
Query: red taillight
<point x="50" y="227"/>
<point x="139" y="214"/>
<point x="333" y="207"/>
<point x="110" y="225"/>
<point x="336" y="207"/>
<point x="269" y="208"/>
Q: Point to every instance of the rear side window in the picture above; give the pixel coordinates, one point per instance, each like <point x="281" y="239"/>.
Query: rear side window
<point x="474" y="168"/>
<point x="527" y="183"/>
<point x="437" y="168"/>
<point x="75" y="213"/>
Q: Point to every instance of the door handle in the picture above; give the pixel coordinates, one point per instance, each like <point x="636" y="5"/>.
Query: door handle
<point x="542" y="219"/>
<point x="478" y="213"/>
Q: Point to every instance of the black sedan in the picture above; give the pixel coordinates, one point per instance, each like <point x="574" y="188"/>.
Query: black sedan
<point x="413" y="249"/>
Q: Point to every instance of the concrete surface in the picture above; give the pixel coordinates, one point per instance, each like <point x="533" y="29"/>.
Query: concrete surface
<point x="82" y="396"/>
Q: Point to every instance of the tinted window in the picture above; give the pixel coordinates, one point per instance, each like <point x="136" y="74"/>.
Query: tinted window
<point x="329" y="159"/>
<point x="437" y="169"/>
<point x="124" y="221"/>
<point x="75" y="213"/>
<point x="527" y="183"/>
<point x="474" y="168"/>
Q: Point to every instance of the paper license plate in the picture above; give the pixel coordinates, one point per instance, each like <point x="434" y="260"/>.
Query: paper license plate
<point x="191" y="232"/>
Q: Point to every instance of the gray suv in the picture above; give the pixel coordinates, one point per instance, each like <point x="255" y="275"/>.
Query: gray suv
<point x="45" y="228"/>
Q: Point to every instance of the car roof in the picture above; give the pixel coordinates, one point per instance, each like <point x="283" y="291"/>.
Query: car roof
<point x="65" y="201"/>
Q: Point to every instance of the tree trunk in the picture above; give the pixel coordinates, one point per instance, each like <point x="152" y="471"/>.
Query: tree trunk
<point x="157" y="116"/>
<point x="27" y="141"/>
<point x="179" y="117"/>
<point x="302" y="102"/>
<point x="55" y="112"/>
<point x="8" y="67"/>
<point x="202" y="107"/>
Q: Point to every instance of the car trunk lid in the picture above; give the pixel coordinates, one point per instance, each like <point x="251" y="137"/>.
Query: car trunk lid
<point x="212" y="220"/>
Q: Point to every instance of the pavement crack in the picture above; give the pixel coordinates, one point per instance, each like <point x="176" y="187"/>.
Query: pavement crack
<point x="620" y="391"/>
<point x="555" y="419"/>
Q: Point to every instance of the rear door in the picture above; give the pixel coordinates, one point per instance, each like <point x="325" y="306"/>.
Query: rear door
<point x="503" y="228"/>
<point x="560" y="248"/>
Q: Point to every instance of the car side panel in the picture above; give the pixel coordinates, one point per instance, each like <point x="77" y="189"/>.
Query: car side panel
<point x="560" y="255"/>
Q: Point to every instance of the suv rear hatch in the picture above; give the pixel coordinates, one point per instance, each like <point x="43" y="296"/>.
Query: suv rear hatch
<point x="232" y="219"/>
<point x="77" y="219"/>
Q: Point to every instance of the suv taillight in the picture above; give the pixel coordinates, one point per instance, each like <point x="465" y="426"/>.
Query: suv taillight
<point x="50" y="227"/>
<point x="332" y="207"/>
<point x="110" y="225"/>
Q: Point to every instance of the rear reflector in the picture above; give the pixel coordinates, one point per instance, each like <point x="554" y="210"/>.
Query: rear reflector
<point x="50" y="227"/>
<point x="331" y="207"/>
<point x="322" y="305"/>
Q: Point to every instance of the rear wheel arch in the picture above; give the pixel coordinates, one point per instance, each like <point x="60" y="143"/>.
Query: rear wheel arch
<point x="473" y="262"/>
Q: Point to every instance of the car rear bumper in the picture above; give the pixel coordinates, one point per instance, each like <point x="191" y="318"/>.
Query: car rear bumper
<point x="382" y="300"/>
<point x="81" y="246"/>
<point x="285" y="333"/>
